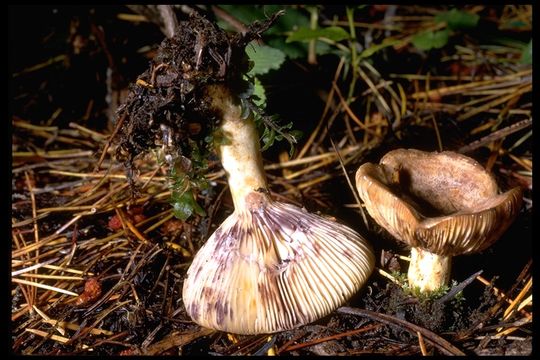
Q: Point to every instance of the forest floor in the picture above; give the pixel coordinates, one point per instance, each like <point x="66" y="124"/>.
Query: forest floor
<point x="98" y="256"/>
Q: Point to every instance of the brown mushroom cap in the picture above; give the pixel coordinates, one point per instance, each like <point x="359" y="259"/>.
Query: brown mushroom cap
<point x="446" y="202"/>
<point x="274" y="267"/>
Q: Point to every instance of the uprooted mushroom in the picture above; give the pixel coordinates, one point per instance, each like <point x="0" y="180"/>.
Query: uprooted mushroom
<point x="440" y="204"/>
<point x="270" y="266"/>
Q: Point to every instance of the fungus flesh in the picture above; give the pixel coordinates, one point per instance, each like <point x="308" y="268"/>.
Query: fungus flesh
<point x="269" y="266"/>
<point x="441" y="204"/>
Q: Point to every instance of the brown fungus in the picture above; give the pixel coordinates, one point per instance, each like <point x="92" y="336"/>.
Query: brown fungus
<point x="441" y="204"/>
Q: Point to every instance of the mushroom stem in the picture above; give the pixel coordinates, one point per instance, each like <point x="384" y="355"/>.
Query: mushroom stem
<point x="269" y="266"/>
<point x="428" y="271"/>
<point x="239" y="151"/>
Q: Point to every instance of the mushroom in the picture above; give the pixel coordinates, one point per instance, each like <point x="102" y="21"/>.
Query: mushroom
<point x="270" y="266"/>
<point x="440" y="204"/>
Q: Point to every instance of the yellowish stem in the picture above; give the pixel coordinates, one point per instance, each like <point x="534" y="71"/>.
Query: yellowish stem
<point x="240" y="152"/>
<point x="428" y="271"/>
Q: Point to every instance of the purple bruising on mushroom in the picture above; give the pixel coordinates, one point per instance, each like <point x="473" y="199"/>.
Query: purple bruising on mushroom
<point x="280" y="255"/>
<point x="274" y="265"/>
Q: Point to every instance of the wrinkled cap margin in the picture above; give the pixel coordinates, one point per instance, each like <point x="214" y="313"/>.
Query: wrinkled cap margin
<point x="274" y="268"/>
<point x="446" y="202"/>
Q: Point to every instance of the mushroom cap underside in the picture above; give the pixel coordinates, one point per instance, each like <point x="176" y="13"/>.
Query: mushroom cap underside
<point x="274" y="268"/>
<point x="445" y="202"/>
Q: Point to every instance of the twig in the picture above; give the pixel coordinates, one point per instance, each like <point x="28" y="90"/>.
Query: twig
<point x="378" y="95"/>
<point x="433" y="338"/>
<point x="459" y="287"/>
<point x="30" y="268"/>
<point x="50" y="61"/>
<point x="350" y="184"/>
<point x="94" y="134"/>
<point x="53" y="267"/>
<point x="43" y="286"/>
<point x="175" y="339"/>
<point x="72" y="326"/>
<point x="54" y="154"/>
<point x="421" y="343"/>
<point x="527" y="301"/>
<point x="162" y="220"/>
<point x="108" y="143"/>
<point x="21" y="251"/>
<point x="327" y="106"/>
<point x="104" y="176"/>
<point x="520" y="296"/>
<point x="495" y="102"/>
<point x="331" y="337"/>
<point x="349" y="111"/>
<point x="46" y="318"/>
<point x="505" y="325"/>
<point x="456" y="89"/>
<point x="267" y="348"/>
<point x="245" y="346"/>
<point x="132" y="227"/>
<point x="436" y="128"/>
<point x="496" y="135"/>
<point x="294" y="339"/>
<point x="226" y="16"/>
<point x="60" y="339"/>
<point x="58" y="277"/>
<point x="389" y="277"/>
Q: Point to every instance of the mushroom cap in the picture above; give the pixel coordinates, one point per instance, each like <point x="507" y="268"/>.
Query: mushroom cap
<point x="274" y="268"/>
<point x="445" y="202"/>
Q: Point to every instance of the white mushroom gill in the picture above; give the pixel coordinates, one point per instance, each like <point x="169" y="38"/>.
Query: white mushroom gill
<point x="270" y="266"/>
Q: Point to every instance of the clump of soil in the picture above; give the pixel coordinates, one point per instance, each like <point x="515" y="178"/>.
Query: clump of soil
<point x="167" y="106"/>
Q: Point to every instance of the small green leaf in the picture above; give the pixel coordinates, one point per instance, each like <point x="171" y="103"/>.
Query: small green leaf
<point x="184" y="205"/>
<point x="526" y="54"/>
<point x="265" y="58"/>
<point x="260" y="93"/>
<point x="457" y="19"/>
<point x="374" y="48"/>
<point x="296" y="134"/>
<point x="334" y="33"/>
<point x="268" y="137"/>
<point x="429" y="39"/>
<point x="322" y="48"/>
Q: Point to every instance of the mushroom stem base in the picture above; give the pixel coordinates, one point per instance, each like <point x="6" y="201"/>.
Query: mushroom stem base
<point x="428" y="271"/>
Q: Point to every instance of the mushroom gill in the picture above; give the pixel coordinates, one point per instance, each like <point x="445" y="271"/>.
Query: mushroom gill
<point x="274" y="267"/>
<point x="441" y="204"/>
<point x="269" y="266"/>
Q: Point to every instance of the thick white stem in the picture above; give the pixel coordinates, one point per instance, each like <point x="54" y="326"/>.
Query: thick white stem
<point x="428" y="271"/>
<point x="240" y="151"/>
